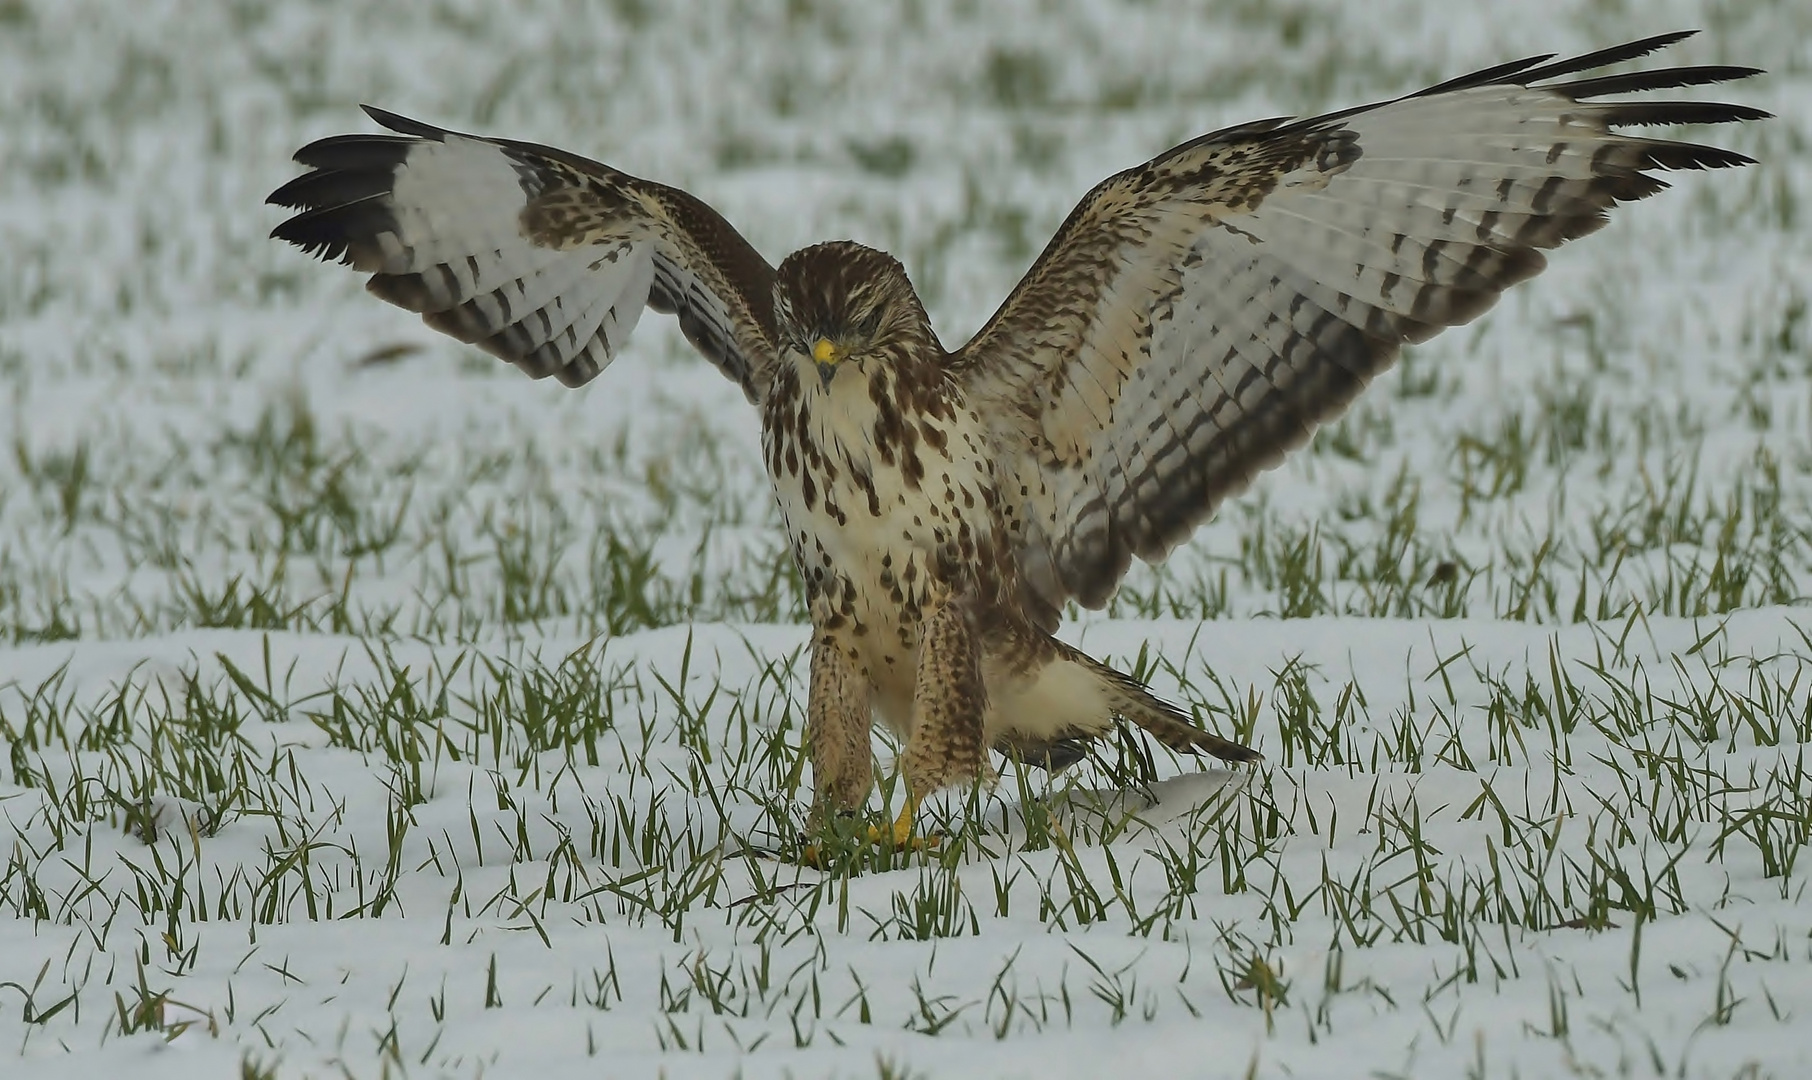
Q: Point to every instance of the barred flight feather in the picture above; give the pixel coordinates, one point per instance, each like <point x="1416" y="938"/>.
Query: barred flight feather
<point x="1199" y="316"/>
<point x="537" y="256"/>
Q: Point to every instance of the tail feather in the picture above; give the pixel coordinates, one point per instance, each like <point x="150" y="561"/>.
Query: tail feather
<point x="1164" y="722"/>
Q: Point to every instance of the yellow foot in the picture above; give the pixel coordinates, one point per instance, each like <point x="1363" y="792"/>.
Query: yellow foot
<point x="896" y="837"/>
<point x="899" y="836"/>
<point x="893" y="838"/>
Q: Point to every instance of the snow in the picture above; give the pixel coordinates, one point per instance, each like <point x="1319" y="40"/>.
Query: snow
<point x="335" y="841"/>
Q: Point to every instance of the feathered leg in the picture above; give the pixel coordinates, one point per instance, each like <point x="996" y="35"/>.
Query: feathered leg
<point x="838" y="715"/>
<point x="948" y="700"/>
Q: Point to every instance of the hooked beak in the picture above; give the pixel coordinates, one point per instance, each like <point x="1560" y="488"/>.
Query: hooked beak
<point x="826" y="355"/>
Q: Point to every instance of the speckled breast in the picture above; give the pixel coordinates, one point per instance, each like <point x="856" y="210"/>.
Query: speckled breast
<point x="887" y="510"/>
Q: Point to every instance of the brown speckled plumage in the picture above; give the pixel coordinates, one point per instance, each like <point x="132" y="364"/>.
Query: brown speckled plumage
<point x="1192" y="320"/>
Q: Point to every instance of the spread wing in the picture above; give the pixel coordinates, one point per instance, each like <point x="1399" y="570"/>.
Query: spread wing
<point x="1199" y="316"/>
<point x="540" y="257"/>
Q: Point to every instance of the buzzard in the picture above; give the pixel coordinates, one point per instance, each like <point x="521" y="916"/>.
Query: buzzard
<point x="1195" y="318"/>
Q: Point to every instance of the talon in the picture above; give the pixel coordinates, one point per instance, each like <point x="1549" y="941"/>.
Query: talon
<point x="902" y="825"/>
<point x="896" y="837"/>
<point x="899" y="835"/>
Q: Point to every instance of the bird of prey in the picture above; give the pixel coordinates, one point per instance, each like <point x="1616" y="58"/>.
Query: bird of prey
<point x="1194" y="319"/>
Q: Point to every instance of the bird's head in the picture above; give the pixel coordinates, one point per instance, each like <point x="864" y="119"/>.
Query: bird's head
<point x="840" y="303"/>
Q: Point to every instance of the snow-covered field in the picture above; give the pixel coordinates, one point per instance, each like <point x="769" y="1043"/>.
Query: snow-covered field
<point x="370" y="710"/>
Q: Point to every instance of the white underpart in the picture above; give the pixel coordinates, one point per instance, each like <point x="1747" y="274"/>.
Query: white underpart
<point x="1060" y="697"/>
<point x="841" y="421"/>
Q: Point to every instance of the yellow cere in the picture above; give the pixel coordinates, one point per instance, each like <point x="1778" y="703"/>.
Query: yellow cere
<point x="824" y="352"/>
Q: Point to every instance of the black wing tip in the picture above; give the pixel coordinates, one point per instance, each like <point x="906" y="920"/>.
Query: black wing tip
<point x="403" y="125"/>
<point x="1655" y="79"/>
<point x="1693" y="156"/>
<point x="1497" y="73"/>
<point x="302" y="230"/>
<point x="1651" y="113"/>
<point x="1644" y="46"/>
<point x="321" y="246"/>
<point x="1733" y="72"/>
<point x="1615" y="54"/>
<point x="343" y="232"/>
<point x="1535" y="69"/>
<point x="339" y="161"/>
